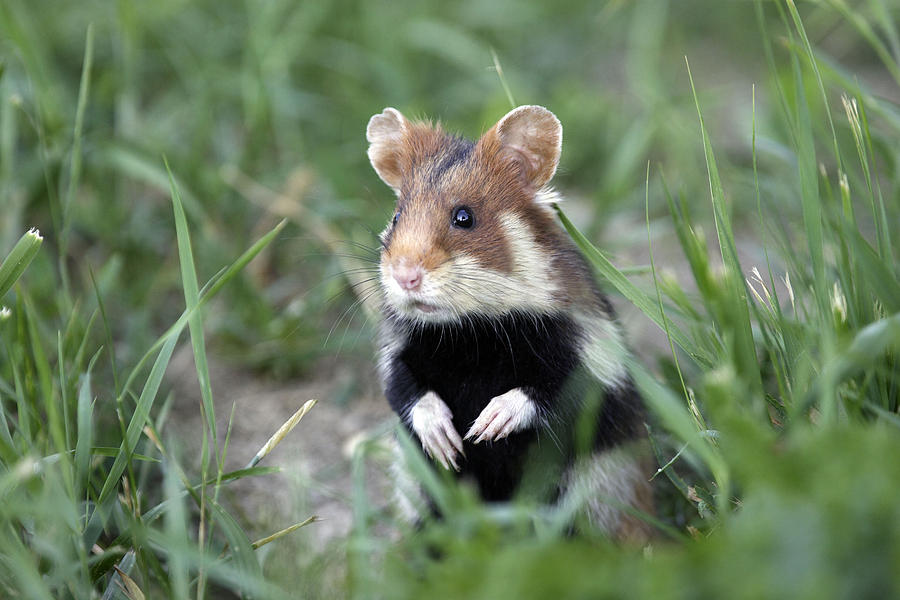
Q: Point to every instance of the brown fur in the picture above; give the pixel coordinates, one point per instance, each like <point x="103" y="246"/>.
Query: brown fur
<point x="633" y="529"/>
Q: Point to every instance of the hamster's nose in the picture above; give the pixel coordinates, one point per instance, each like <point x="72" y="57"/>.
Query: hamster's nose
<point x="408" y="276"/>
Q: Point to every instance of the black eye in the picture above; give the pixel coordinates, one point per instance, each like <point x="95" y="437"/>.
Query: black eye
<point x="396" y="217"/>
<point x="463" y="217"/>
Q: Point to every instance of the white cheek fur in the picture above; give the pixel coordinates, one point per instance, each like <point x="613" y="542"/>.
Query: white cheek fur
<point x="463" y="286"/>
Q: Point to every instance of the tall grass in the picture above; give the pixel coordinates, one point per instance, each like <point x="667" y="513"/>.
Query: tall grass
<point x="76" y="521"/>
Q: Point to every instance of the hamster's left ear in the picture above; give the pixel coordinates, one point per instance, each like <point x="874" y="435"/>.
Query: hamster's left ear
<point x="385" y="134"/>
<point x="531" y="136"/>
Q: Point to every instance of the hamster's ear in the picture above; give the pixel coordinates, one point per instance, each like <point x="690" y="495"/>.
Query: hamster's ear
<point x="531" y="136"/>
<point x="385" y="134"/>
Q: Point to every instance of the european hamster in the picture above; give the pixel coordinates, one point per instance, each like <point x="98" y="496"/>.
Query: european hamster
<point x="493" y="330"/>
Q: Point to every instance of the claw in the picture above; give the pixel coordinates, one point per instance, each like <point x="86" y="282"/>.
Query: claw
<point x="504" y="414"/>
<point x="432" y="421"/>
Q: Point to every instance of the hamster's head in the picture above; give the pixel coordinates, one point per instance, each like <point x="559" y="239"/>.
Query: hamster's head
<point x="472" y="232"/>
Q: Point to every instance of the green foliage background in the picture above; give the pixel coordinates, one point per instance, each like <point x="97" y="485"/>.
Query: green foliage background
<point x="775" y="413"/>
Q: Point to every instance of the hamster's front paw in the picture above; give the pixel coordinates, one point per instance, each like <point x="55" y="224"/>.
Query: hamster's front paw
<point x="432" y="421"/>
<point x="504" y="414"/>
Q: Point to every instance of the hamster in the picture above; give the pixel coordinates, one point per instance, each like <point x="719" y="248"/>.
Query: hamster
<point x="494" y="334"/>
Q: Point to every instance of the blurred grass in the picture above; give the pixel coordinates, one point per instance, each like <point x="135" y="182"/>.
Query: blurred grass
<point x="776" y="413"/>
<point x="278" y="93"/>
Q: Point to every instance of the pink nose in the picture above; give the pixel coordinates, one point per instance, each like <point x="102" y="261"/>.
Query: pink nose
<point x="409" y="277"/>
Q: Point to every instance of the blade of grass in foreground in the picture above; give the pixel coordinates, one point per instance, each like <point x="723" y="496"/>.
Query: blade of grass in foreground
<point x="637" y="297"/>
<point x="175" y="527"/>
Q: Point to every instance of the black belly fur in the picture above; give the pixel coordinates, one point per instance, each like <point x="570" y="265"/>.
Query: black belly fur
<point x="467" y="365"/>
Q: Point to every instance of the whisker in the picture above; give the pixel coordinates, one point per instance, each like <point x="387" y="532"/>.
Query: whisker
<point x="354" y="308"/>
<point x="347" y="327"/>
<point x="365" y="259"/>
<point x="361" y="246"/>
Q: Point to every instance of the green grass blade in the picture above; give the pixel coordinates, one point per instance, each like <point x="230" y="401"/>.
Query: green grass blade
<point x="659" y="301"/>
<point x="241" y="548"/>
<point x="868" y="347"/>
<point x="44" y="378"/>
<point x="498" y="68"/>
<point x="112" y="452"/>
<point x="854" y="16"/>
<point x="145" y="168"/>
<point x="736" y="313"/>
<point x="882" y="281"/>
<point x="23" y="408"/>
<point x="76" y="157"/>
<point x="279" y="534"/>
<point x="176" y="533"/>
<point x="18" y="259"/>
<point x="6" y="442"/>
<point x="618" y="280"/>
<point x="63" y="386"/>
<point x="85" y="429"/>
<point x="153" y="513"/>
<point x="192" y="300"/>
<point x="139" y="418"/>
<point x="437" y="486"/>
<point x="116" y="585"/>
<point x="107" y="331"/>
<point x="677" y="419"/>
<point x="811" y="57"/>
<point x="882" y="224"/>
<point x="809" y="188"/>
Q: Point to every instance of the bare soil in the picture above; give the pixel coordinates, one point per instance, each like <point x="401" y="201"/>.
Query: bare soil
<point x="314" y="458"/>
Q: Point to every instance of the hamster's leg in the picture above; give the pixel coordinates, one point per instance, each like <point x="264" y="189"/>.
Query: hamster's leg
<point x="605" y="482"/>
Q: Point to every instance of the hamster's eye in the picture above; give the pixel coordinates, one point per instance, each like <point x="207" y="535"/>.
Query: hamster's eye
<point x="463" y="217"/>
<point x="396" y="217"/>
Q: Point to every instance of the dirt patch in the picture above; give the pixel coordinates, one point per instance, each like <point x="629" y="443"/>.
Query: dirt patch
<point x="315" y="458"/>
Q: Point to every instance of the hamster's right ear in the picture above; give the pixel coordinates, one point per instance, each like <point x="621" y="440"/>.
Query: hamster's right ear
<point x="385" y="134"/>
<point x="532" y="137"/>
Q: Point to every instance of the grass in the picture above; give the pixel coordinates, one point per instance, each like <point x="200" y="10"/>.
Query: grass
<point x="775" y="411"/>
